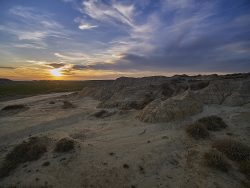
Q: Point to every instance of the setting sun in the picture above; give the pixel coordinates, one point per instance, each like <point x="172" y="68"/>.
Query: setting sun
<point x="56" y="72"/>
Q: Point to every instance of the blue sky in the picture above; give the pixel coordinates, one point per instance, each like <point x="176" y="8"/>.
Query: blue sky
<point x="99" y="39"/>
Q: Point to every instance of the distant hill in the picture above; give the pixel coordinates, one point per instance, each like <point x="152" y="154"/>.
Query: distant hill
<point x="4" y="80"/>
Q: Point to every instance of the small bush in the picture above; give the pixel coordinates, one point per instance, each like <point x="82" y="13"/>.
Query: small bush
<point x="216" y="159"/>
<point x="64" y="145"/>
<point x="100" y="113"/>
<point x="29" y="150"/>
<point x="234" y="150"/>
<point x="125" y="166"/>
<point x="47" y="163"/>
<point x="197" y="131"/>
<point x="14" y="107"/>
<point x="67" y="104"/>
<point x="199" y="85"/>
<point x="213" y="123"/>
<point x="244" y="167"/>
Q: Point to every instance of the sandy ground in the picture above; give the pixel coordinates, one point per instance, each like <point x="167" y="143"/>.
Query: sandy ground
<point x="117" y="151"/>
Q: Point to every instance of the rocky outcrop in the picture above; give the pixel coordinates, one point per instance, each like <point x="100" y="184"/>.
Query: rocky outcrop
<point x="170" y="98"/>
<point x="225" y="92"/>
<point x="174" y="108"/>
<point x="216" y="92"/>
<point x="240" y="96"/>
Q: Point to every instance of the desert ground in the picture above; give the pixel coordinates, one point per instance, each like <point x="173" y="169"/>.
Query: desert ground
<point x="132" y="133"/>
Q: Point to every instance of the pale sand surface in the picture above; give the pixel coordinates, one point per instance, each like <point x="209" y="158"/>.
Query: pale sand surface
<point x="157" y="155"/>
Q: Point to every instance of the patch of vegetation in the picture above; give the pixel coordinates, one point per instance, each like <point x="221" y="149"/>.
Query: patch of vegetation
<point x="217" y="160"/>
<point x="14" y="107"/>
<point x="199" y="85"/>
<point x="167" y="90"/>
<point x="213" y="123"/>
<point x="197" y="131"/>
<point x="233" y="149"/>
<point x="67" y="105"/>
<point x="25" y="186"/>
<point x="103" y="113"/>
<point x="30" y="150"/>
<point x="19" y="89"/>
<point x="64" y="145"/>
<point x="244" y="167"/>
<point x="126" y="166"/>
<point x="47" y="163"/>
<point x="100" y="113"/>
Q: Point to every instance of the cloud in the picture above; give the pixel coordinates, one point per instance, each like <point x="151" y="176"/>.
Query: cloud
<point x="80" y="67"/>
<point x="83" y="24"/>
<point x="2" y="67"/>
<point x="195" y="37"/>
<point x="29" y="45"/>
<point x="56" y="65"/>
<point x="47" y="64"/>
<point x="32" y="27"/>
<point x="142" y="36"/>
<point x="114" y="13"/>
<point x="86" y="26"/>
<point x="73" y="57"/>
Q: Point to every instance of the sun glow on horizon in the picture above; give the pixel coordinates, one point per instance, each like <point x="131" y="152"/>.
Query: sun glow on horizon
<point x="56" y="72"/>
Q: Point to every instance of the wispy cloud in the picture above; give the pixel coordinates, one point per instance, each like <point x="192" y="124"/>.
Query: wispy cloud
<point x="184" y="40"/>
<point x="114" y="13"/>
<point x="86" y="26"/>
<point x="83" y="24"/>
<point x="33" y="27"/>
<point x="1" y="67"/>
<point x="128" y="36"/>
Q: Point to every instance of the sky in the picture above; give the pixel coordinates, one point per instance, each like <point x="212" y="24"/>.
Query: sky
<point x="106" y="39"/>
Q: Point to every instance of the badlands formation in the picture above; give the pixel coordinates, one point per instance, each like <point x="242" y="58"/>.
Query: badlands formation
<point x="181" y="131"/>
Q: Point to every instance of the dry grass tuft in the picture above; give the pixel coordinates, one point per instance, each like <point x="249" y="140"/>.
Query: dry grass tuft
<point x="217" y="160"/>
<point x="29" y="150"/>
<point x="244" y="167"/>
<point x="64" y="145"/>
<point x="52" y="102"/>
<point x="197" y="131"/>
<point x="67" y="104"/>
<point x="234" y="150"/>
<point x="25" y="186"/>
<point x="100" y="113"/>
<point x="199" y="85"/>
<point x="14" y="107"/>
<point x="213" y="123"/>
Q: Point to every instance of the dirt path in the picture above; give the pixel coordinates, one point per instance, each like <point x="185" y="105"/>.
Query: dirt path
<point x="33" y="98"/>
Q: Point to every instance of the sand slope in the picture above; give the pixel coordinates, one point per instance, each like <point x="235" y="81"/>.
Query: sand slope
<point x="118" y="150"/>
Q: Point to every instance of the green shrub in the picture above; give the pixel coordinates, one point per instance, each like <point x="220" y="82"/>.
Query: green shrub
<point x="197" y="131"/>
<point x="29" y="150"/>
<point x="14" y="107"/>
<point x="216" y="159"/>
<point x="234" y="150"/>
<point x="213" y="123"/>
<point x="244" y="167"/>
<point x="64" y="145"/>
<point x="67" y="104"/>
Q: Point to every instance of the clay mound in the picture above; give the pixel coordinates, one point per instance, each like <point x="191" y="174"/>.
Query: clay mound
<point x="240" y="96"/>
<point x="98" y="90"/>
<point x="174" y="108"/>
<point x="124" y="93"/>
<point x="137" y="93"/>
<point x="129" y="98"/>
<point x="216" y="92"/>
<point x="226" y="92"/>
